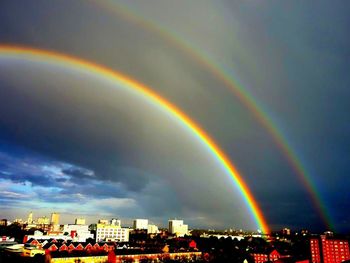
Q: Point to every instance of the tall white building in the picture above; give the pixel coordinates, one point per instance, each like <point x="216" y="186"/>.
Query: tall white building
<point x="106" y="232"/>
<point x="178" y="228"/>
<point x="30" y="218"/>
<point x="140" y="224"/>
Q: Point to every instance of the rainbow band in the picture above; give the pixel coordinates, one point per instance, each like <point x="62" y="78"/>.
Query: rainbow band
<point x="120" y="79"/>
<point x="239" y="91"/>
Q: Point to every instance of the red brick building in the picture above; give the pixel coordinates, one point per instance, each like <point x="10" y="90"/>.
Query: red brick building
<point x="270" y="255"/>
<point x="329" y="250"/>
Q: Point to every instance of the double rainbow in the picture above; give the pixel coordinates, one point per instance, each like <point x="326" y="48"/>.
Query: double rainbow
<point x="223" y="75"/>
<point x="120" y="80"/>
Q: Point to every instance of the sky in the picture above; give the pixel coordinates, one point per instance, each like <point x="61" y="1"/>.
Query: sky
<point x="79" y="144"/>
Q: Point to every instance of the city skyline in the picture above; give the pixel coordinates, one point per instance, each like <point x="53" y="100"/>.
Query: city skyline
<point x="227" y="115"/>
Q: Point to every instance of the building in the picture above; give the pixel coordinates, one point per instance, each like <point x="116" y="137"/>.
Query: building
<point x="3" y="222"/>
<point x="106" y="232"/>
<point x="266" y="256"/>
<point x="103" y="221"/>
<point x="80" y="221"/>
<point x="152" y="229"/>
<point x="55" y="218"/>
<point x="43" y="220"/>
<point x="286" y="231"/>
<point x="79" y="233"/>
<point x="39" y="236"/>
<point x="140" y="224"/>
<point x="329" y="250"/>
<point x="177" y="227"/>
<point x="30" y="218"/>
<point x="115" y="222"/>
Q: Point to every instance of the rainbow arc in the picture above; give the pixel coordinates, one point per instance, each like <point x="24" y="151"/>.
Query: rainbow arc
<point x="121" y="80"/>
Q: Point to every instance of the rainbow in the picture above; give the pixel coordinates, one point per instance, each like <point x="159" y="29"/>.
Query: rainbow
<point x="247" y="99"/>
<point x="38" y="55"/>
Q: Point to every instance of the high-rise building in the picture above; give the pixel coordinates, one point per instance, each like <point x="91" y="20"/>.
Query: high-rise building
<point x="177" y="227"/>
<point x="80" y="221"/>
<point x="30" y="218"/>
<point x="55" y="218"/>
<point x="140" y="224"/>
<point x="329" y="250"/>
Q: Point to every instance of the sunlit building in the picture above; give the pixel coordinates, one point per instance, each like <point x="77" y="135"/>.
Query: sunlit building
<point x="3" y="222"/>
<point x="140" y="224"/>
<point x="177" y="227"/>
<point x="30" y="218"/>
<point x="152" y="229"/>
<point x="115" y="222"/>
<point x="79" y="233"/>
<point x="55" y="218"/>
<point x="43" y="220"/>
<point x="107" y="232"/>
<point x="103" y="221"/>
<point x="80" y="221"/>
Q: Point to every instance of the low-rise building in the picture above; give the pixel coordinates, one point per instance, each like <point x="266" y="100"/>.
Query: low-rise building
<point x="78" y="233"/>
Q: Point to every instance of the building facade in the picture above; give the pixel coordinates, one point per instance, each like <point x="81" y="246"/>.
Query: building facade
<point x="80" y="221"/>
<point x="79" y="233"/>
<point x="178" y="228"/>
<point x="140" y="224"/>
<point x="329" y="250"/>
<point x="152" y="229"/>
<point x="55" y="218"/>
<point x="106" y="232"/>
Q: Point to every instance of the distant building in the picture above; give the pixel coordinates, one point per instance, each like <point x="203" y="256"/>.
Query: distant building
<point x="43" y="220"/>
<point x="115" y="222"/>
<point x="103" y="221"/>
<point x="177" y="227"/>
<point x="140" y="224"/>
<point x="3" y="222"/>
<point x="80" y="221"/>
<point x="329" y="250"/>
<point x="18" y="220"/>
<point x="106" y="232"/>
<point x="286" y="231"/>
<point x="152" y="229"/>
<point x="55" y="218"/>
<point x="30" y="218"/>
<point x="269" y="255"/>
